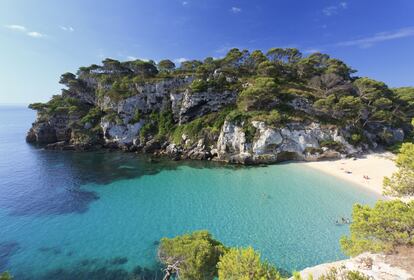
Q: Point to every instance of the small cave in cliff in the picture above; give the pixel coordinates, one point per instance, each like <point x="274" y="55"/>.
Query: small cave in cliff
<point x="285" y="156"/>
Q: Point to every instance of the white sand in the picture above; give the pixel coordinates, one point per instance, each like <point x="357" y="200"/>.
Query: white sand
<point x="375" y="166"/>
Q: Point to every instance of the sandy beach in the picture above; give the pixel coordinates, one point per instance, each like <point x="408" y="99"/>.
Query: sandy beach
<point x="375" y="166"/>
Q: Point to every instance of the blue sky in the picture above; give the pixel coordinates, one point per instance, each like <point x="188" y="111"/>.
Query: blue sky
<point x="39" y="40"/>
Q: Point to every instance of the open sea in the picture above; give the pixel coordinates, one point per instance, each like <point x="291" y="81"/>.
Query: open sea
<point x="100" y="215"/>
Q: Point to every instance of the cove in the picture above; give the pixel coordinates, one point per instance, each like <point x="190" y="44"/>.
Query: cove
<point x="99" y="215"/>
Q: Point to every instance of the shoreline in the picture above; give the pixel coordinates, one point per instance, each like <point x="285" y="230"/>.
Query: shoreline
<point x="374" y="165"/>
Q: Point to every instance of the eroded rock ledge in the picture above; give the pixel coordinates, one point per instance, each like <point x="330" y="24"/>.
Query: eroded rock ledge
<point x="397" y="266"/>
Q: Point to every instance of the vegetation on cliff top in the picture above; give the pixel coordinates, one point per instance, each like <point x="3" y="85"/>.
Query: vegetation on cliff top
<point x="266" y="84"/>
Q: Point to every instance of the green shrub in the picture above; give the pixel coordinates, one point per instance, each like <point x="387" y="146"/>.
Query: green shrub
<point x="158" y="124"/>
<point x="356" y="138"/>
<point x="38" y="106"/>
<point x="249" y="131"/>
<point x="93" y="116"/>
<point x="165" y="123"/>
<point x="192" y="129"/>
<point x="148" y="129"/>
<point x="207" y="125"/>
<point x="199" y="85"/>
<point x="272" y="118"/>
<point x="136" y="117"/>
<point x="197" y="254"/>
<point x="381" y="228"/>
<point x="237" y="117"/>
<point x="262" y="95"/>
<point x="245" y="264"/>
<point x="401" y="183"/>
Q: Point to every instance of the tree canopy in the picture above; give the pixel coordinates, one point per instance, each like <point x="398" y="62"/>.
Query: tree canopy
<point x="401" y="182"/>
<point x="245" y="264"/>
<point x="380" y="228"/>
<point x="166" y="65"/>
<point x="197" y="254"/>
<point x="263" y="82"/>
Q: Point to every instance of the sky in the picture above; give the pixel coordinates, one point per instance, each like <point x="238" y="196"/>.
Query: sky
<point x="41" y="39"/>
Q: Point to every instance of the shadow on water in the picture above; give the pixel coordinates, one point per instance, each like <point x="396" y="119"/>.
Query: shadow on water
<point x="7" y="249"/>
<point x="51" y="181"/>
<point x="54" y="250"/>
<point x="97" y="269"/>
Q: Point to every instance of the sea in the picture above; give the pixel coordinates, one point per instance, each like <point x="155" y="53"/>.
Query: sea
<point x="101" y="215"/>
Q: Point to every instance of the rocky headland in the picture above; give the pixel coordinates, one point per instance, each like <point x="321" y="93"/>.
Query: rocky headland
<point x="246" y="108"/>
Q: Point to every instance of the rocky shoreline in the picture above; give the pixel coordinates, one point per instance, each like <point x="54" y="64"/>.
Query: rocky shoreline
<point x="293" y="142"/>
<point x="307" y="141"/>
<point x="219" y="117"/>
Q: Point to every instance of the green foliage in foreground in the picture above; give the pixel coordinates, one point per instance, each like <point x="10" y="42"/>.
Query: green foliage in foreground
<point x="5" y="276"/>
<point x="381" y="228"/>
<point x="401" y="182"/>
<point x="200" y="257"/>
<point x="245" y="264"/>
<point x="197" y="254"/>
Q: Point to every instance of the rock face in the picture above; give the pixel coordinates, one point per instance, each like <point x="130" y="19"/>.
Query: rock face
<point x="41" y="133"/>
<point x="124" y="134"/>
<point x="193" y="105"/>
<point x="122" y="119"/>
<point x="51" y="130"/>
<point x="375" y="266"/>
<point x="231" y="145"/>
<point x="295" y="141"/>
<point x="149" y="97"/>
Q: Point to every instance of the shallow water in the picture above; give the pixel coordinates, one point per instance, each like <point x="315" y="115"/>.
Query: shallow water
<point x="99" y="215"/>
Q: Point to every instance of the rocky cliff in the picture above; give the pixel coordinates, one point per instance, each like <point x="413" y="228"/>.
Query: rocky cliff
<point x="218" y="114"/>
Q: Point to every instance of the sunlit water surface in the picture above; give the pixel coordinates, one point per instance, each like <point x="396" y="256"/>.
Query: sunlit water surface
<point x="100" y="215"/>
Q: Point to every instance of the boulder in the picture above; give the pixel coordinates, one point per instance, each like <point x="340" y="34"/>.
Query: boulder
<point x="121" y="134"/>
<point x="42" y="133"/>
<point x="151" y="146"/>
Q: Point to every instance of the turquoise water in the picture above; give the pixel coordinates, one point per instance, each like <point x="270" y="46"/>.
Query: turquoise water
<point x="100" y="215"/>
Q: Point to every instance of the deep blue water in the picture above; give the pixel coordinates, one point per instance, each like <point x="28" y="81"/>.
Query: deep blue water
<point x="99" y="215"/>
